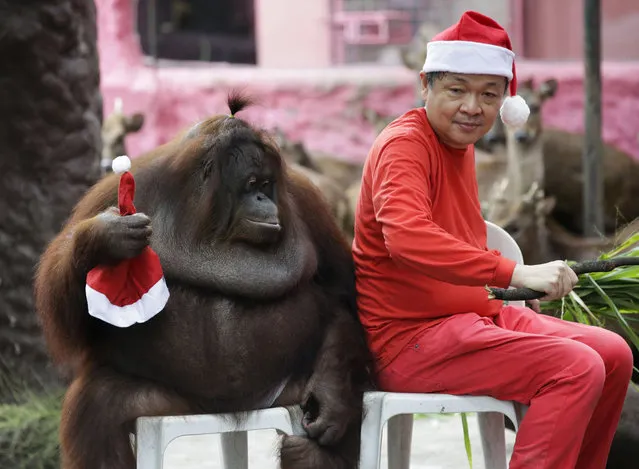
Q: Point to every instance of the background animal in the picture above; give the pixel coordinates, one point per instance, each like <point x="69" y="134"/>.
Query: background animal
<point x="561" y="155"/>
<point x="115" y="128"/>
<point x="262" y="309"/>
<point x="334" y="195"/>
<point x="330" y="175"/>
<point x="510" y="180"/>
<point x="341" y="172"/>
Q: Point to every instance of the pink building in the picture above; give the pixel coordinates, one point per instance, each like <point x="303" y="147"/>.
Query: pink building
<point x="290" y="54"/>
<point x="543" y="31"/>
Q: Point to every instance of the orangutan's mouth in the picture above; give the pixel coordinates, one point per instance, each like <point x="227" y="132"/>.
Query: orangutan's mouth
<point x="273" y="225"/>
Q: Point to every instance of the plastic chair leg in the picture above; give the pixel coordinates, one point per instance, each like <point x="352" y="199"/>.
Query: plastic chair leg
<point x="493" y="439"/>
<point x="400" y="433"/>
<point x="234" y="450"/>
<point x="149" y="444"/>
<point x="371" y="433"/>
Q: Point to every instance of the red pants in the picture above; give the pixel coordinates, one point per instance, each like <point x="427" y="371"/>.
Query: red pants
<point x="574" y="378"/>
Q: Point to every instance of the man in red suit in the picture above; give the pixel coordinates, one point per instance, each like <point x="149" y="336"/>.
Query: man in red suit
<point x="422" y="264"/>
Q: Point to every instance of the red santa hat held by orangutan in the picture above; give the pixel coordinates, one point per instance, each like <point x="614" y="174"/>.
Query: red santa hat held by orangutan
<point x="479" y="45"/>
<point x="134" y="290"/>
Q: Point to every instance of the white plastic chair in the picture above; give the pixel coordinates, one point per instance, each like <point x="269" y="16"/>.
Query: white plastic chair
<point x="398" y="408"/>
<point x="153" y="434"/>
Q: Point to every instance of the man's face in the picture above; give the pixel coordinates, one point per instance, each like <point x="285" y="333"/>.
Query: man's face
<point x="462" y="108"/>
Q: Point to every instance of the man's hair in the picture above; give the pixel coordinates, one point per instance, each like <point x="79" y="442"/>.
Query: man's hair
<point x="432" y="77"/>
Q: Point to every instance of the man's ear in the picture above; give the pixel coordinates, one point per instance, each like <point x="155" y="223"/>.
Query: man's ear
<point x="424" y="85"/>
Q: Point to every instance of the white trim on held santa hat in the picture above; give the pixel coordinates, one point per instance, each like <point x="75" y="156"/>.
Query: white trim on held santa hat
<point x="126" y="313"/>
<point x="479" y="45"/>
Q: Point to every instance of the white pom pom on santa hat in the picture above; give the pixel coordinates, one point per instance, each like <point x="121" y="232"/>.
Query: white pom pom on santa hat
<point x="514" y="111"/>
<point x="121" y="164"/>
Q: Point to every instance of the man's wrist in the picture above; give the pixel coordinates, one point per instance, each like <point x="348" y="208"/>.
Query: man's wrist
<point x="504" y="272"/>
<point x="517" y="279"/>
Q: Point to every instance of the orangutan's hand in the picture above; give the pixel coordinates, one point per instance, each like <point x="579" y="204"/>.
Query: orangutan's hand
<point x="325" y="418"/>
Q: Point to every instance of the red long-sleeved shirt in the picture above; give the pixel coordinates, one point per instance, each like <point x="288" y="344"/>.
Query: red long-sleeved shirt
<point x="420" y="240"/>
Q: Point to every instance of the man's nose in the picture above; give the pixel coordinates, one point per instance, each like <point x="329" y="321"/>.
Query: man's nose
<point x="470" y="105"/>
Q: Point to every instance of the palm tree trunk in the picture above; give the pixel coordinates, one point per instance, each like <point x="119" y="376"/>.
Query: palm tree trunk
<point x="50" y="118"/>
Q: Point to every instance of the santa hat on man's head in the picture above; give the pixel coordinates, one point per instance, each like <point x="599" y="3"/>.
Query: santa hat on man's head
<point x="479" y="45"/>
<point x="133" y="290"/>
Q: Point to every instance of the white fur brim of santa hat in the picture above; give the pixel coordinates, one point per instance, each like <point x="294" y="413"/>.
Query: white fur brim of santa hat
<point x="478" y="45"/>
<point x="469" y="57"/>
<point x="124" y="310"/>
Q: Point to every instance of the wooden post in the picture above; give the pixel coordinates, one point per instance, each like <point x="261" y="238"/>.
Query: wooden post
<point x="593" y="148"/>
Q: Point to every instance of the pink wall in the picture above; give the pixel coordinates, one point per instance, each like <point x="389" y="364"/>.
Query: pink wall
<point x="313" y="104"/>
<point x="289" y="33"/>
<point x="548" y="35"/>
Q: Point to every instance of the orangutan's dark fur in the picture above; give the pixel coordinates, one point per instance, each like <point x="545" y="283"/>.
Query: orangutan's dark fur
<point x="242" y="316"/>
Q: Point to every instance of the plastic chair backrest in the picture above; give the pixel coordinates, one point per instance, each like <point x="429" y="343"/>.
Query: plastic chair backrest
<point x="500" y="239"/>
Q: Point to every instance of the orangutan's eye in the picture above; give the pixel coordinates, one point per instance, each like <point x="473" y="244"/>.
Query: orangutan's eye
<point x="250" y="184"/>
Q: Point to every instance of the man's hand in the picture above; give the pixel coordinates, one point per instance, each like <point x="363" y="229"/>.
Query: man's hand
<point x="534" y="305"/>
<point x="556" y="279"/>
